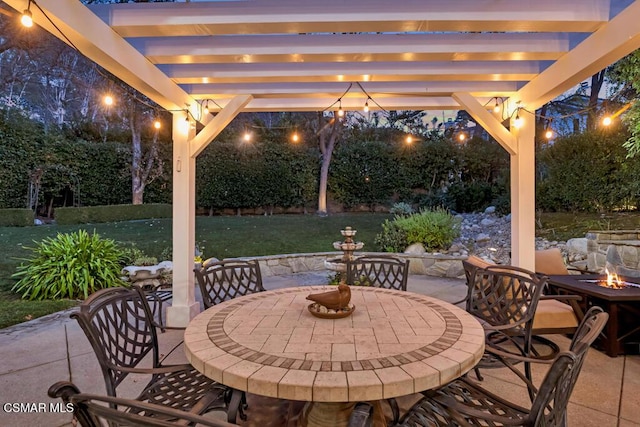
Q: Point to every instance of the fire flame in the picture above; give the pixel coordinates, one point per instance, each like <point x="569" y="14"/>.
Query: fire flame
<point x="613" y="281"/>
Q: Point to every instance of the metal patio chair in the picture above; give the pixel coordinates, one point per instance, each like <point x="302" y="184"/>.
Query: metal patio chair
<point x="504" y="299"/>
<point x="379" y="271"/>
<point x="223" y="280"/>
<point x="122" y="333"/>
<point x="97" y="411"/>
<point x="465" y="403"/>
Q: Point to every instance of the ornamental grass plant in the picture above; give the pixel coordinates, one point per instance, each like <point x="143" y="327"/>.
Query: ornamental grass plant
<point x="71" y="265"/>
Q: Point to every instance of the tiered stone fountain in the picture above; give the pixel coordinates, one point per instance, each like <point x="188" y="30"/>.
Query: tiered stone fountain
<point x="348" y="247"/>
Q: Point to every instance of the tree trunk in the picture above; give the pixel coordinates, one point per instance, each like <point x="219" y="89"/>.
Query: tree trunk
<point x="327" y="144"/>
<point x="596" y="84"/>
<point x="322" y="190"/>
<point x="137" y="183"/>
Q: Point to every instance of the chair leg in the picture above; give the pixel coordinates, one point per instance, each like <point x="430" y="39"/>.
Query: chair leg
<point x="477" y="371"/>
<point x="237" y="402"/>
<point x="395" y="411"/>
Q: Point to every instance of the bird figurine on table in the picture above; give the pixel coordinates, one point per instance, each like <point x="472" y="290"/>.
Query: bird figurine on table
<point x="333" y="299"/>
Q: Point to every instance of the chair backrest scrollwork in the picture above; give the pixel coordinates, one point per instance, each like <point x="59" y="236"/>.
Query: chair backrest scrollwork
<point x="224" y="280"/>
<point x="379" y="271"/>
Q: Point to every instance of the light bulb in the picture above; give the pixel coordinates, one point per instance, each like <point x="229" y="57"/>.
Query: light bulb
<point x="496" y="108"/>
<point x="108" y="100"/>
<point x="607" y="121"/>
<point x="295" y="137"/>
<point x="366" y="107"/>
<point x="409" y="139"/>
<point x="548" y="134"/>
<point x="462" y="136"/>
<point x="247" y="136"/>
<point x="340" y="112"/>
<point x="518" y="122"/>
<point x="184" y="126"/>
<point x="206" y="109"/>
<point x="157" y="124"/>
<point x="26" y="19"/>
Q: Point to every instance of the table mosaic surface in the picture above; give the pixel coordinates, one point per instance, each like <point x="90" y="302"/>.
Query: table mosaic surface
<point x="395" y="343"/>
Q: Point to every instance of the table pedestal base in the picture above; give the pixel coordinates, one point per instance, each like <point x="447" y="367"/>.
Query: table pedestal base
<point x="336" y="414"/>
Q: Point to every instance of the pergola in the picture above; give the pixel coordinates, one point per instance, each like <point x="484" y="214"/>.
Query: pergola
<point x="301" y="55"/>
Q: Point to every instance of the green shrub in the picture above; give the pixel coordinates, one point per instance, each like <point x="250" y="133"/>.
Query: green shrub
<point x="392" y="238"/>
<point x="401" y="209"/>
<point x="434" y="229"/>
<point x="130" y="254"/>
<point x="111" y="213"/>
<point x="72" y="265"/>
<point x="145" y="261"/>
<point x="16" y="217"/>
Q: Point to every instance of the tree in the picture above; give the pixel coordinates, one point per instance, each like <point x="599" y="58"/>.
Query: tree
<point x="625" y="75"/>
<point x="330" y="131"/>
<point x="597" y="81"/>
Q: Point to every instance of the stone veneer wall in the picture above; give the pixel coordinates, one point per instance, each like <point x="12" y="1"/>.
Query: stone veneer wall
<point x="627" y="243"/>
<point x="428" y="264"/>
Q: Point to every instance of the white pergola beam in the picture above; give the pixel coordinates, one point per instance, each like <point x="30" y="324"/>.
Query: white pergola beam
<point x="218" y="123"/>
<point x="303" y="16"/>
<point x="333" y="89"/>
<point x="102" y="45"/>
<point x="489" y="69"/>
<point x="487" y="120"/>
<point x="350" y="104"/>
<point x="362" y="78"/>
<point x="352" y="47"/>
<point x="612" y="41"/>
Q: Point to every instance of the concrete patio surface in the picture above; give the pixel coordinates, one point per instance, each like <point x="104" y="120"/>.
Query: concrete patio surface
<point x="38" y="353"/>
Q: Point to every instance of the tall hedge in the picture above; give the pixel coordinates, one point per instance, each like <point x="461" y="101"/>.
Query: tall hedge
<point x="588" y="172"/>
<point x="266" y="173"/>
<point x="21" y="145"/>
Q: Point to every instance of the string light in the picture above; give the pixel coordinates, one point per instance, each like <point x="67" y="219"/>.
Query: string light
<point x="246" y="137"/>
<point x="27" y="19"/>
<point x="206" y="107"/>
<point x="295" y="137"/>
<point x="340" y="110"/>
<point x="518" y="122"/>
<point x="157" y="124"/>
<point x="462" y="136"/>
<point x="184" y="125"/>
<point x="548" y="133"/>
<point x="496" y="108"/>
<point x="108" y="100"/>
<point x="409" y="139"/>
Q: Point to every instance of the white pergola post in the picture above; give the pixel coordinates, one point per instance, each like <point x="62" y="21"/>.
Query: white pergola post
<point x="520" y="145"/>
<point x="186" y="147"/>
<point x="523" y="195"/>
<point x="184" y="306"/>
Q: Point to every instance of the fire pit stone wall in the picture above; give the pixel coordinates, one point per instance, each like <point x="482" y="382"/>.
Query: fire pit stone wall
<point x="620" y="248"/>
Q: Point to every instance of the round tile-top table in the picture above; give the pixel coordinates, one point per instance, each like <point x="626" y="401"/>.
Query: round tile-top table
<point x="395" y="343"/>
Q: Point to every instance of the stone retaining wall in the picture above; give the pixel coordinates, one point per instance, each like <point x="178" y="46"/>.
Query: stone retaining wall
<point x="626" y="242"/>
<point x="427" y="264"/>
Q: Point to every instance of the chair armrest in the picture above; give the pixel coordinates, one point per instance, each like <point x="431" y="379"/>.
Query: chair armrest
<point x="463" y="300"/>
<point x="168" y="369"/>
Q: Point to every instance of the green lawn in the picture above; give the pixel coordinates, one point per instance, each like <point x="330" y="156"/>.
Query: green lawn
<point x="221" y="237"/>
<point x="244" y="236"/>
